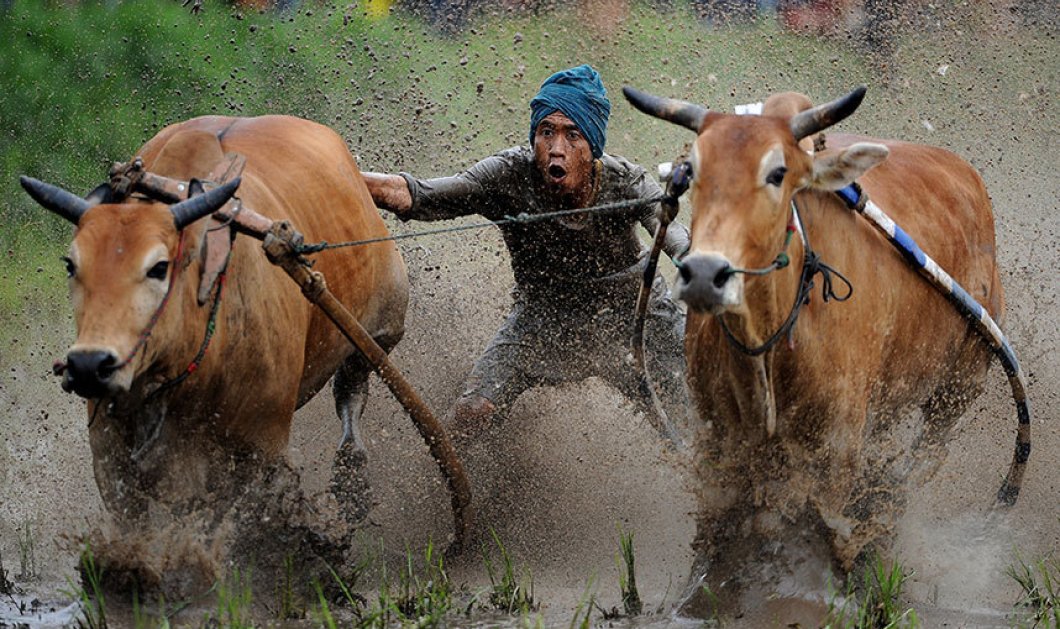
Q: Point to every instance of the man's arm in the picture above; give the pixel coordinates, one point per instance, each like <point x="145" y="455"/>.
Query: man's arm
<point x="477" y="190"/>
<point x="390" y="192"/>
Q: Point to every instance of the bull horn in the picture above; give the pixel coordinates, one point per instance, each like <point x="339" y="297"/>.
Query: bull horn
<point x="806" y="123"/>
<point x="187" y="212"/>
<point x="686" y="114"/>
<point x="66" y="204"/>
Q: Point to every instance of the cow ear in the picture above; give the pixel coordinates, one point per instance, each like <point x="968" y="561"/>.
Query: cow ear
<point x="195" y="188"/>
<point x="102" y="193"/>
<point x="833" y="171"/>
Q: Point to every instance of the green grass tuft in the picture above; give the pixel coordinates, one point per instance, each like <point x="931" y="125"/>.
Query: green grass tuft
<point x="627" y="575"/>
<point x="290" y="605"/>
<point x="234" y="600"/>
<point x="508" y="593"/>
<point x="425" y="597"/>
<point x="92" y="602"/>
<point x="586" y="604"/>
<point x="1040" y="596"/>
<point x="876" y="603"/>
<point x="27" y="552"/>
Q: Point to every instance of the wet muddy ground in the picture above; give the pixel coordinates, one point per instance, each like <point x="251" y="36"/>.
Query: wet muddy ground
<point x="574" y="463"/>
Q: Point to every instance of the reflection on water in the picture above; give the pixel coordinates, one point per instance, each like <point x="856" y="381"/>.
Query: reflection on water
<point x="27" y="611"/>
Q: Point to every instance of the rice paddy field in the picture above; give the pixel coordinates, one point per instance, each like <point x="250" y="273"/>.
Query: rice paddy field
<point x="575" y="496"/>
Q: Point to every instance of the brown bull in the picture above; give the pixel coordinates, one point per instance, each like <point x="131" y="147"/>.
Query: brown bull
<point x="270" y="350"/>
<point x="806" y="421"/>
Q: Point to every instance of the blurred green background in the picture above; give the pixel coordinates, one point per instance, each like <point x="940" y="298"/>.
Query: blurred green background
<point x="84" y="84"/>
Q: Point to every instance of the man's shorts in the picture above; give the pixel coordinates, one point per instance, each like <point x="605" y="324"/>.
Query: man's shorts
<point x="550" y="340"/>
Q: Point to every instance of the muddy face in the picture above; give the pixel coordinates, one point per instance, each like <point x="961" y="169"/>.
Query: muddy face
<point x="564" y="159"/>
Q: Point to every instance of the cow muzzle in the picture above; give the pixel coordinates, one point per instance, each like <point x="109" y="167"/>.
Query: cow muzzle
<point x="707" y="284"/>
<point x="92" y="373"/>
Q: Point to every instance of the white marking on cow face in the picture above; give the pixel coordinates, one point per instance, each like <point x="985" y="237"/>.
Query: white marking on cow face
<point x="771" y="172"/>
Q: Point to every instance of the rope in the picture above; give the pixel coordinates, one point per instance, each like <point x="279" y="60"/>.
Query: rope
<point x="211" y="326"/>
<point x="811" y="266"/>
<point x="521" y="218"/>
<point x="146" y="333"/>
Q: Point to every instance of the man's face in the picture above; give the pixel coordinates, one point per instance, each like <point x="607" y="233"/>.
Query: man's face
<point x="563" y="155"/>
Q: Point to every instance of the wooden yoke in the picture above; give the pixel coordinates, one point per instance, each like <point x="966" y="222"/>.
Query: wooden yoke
<point x="281" y="243"/>
<point x="129" y="178"/>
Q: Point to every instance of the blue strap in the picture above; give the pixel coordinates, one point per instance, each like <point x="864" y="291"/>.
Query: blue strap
<point x="850" y="195"/>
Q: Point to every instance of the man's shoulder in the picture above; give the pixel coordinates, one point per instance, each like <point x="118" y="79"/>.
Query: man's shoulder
<point x="623" y="177"/>
<point x="516" y="155"/>
<point x="621" y="167"/>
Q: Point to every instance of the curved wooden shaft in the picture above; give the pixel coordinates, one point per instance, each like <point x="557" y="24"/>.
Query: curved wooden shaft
<point x="637" y="340"/>
<point x="980" y="320"/>
<point x="279" y="246"/>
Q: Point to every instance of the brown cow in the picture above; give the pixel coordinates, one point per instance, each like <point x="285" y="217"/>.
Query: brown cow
<point x="271" y="350"/>
<point x="807" y="430"/>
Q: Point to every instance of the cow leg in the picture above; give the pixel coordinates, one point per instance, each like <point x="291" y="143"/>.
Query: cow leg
<point x="840" y="492"/>
<point x="349" y="484"/>
<point x="941" y="411"/>
<point x="351" y="395"/>
<point x="350" y="389"/>
<point x="117" y="478"/>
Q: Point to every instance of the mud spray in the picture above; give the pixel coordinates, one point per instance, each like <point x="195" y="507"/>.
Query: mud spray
<point x="573" y="463"/>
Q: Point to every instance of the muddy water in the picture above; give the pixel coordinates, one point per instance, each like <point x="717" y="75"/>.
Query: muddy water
<point x="574" y="463"/>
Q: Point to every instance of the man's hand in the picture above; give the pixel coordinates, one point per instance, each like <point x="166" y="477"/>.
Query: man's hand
<point x="390" y="192"/>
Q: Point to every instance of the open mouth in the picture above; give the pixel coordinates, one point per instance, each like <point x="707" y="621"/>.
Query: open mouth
<point x="556" y="173"/>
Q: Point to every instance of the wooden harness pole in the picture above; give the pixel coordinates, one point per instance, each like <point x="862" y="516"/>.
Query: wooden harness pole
<point x="280" y="241"/>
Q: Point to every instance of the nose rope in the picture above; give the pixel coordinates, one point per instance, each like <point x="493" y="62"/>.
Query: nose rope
<point x="811" y="266"/>
<point x="781" y="261"/>
<point x="157" y="314"/>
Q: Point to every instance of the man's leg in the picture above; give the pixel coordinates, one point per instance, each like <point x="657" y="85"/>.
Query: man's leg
<point x="664" y="332"/>
<point x="664" y="341"/>
<point x="499" y="376"/>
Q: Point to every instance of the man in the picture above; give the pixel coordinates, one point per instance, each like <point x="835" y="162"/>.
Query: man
<point x="576" y="277"/>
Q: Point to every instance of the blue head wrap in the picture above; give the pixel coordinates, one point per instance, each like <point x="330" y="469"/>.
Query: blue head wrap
<point x="578" y="94"/>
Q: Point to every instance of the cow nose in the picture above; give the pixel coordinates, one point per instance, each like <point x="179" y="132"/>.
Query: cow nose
<point x="705" y="282"/>
<point x="88" y="372"/>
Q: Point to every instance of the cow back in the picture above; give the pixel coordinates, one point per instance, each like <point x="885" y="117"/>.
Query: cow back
<point x="274" y="350"/>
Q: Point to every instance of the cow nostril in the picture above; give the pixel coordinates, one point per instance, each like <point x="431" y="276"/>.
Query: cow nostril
<point x="685" y="272"/>
<point x="723" y="276"/>
<point x="97" y="365"/>
<point x="107" y="366"/>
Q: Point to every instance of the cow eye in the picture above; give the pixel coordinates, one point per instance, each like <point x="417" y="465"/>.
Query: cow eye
<point x="776" y="176"/>
<point x="71" y="268"/>
<point x="158" y="271"/>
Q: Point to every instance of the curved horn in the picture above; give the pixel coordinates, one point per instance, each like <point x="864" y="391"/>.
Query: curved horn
<point x="679" y="112"/>
<point x="66" y="204"/>
<point x="806" y="123"/>
<point x="187" y="212"/>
